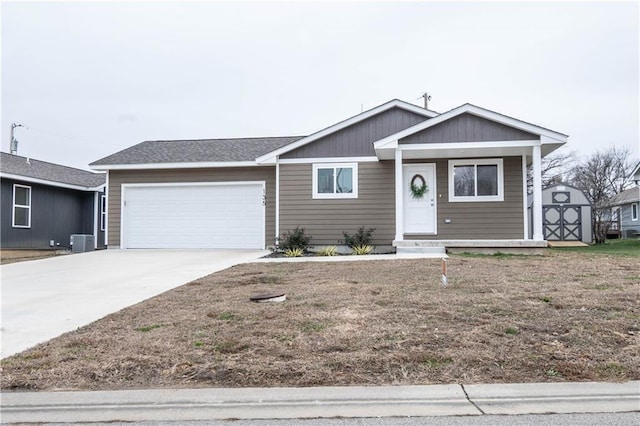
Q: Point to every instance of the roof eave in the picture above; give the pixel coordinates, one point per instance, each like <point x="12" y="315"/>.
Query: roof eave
<point x="179" y="165"/>
<point x="47" y="182"/>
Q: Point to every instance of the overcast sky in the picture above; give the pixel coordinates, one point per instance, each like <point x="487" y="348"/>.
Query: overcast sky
<point x="92" y="78"/>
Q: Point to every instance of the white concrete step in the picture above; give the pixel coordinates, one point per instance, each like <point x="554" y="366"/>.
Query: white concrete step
<point x="421" y="249"/>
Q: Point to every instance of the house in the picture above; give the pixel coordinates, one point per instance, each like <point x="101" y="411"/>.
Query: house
<point x="43" y="204"/>
<point x="470" y="164"/>
<point x="567" y="214"/>
<point x="626" y="212"/>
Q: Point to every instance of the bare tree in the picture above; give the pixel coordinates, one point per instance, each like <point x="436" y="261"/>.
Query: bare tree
<point x="554" y="167"/>
<point x="601" y="176"/>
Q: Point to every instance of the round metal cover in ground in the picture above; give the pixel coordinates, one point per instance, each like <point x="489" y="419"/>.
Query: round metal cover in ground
<point x="268" y="297"/>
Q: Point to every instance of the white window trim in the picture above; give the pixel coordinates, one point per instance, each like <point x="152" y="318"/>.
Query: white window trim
<point x="477" y="198"/>
<point x="103" y="212"/>
<point x="28" y="207"/>
<point x="637" y="205"/>
<point x="353" y="166"/>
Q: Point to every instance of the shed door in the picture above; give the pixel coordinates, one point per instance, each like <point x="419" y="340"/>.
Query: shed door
<point x="562" y="223"/>
<point x="229" y="215"/>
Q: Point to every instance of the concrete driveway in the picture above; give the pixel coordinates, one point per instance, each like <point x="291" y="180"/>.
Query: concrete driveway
<point x="42" y="299"/>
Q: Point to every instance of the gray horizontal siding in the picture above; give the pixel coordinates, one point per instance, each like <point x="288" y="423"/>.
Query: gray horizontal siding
<point x="626" y="222"/>
<point x="357" y="139"/>
<point x="467" y="128"/>
<point x="119" y="177"/>
<point x="325" y="220"/>
<point x="490" y="220"/>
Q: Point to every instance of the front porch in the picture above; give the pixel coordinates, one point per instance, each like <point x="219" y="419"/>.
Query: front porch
<point x="471" y="246"/>
<point x="477" y="199"/>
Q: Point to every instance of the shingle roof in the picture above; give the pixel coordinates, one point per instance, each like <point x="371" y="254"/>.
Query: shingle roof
<point x="627" y="196"/>
<point x="203" y="150"/>
<point x="30" y="168"/>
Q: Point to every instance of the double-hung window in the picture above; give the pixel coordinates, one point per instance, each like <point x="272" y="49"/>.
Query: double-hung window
<point x="336" y="180"/>
<point x="476" y="180"/>
<point x="21" y="206"/>
<point x="634" y="211"/>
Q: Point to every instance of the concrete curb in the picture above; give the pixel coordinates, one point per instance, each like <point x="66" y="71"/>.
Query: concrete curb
<point x="283" y="403"/>
<point x="536" y="398"/>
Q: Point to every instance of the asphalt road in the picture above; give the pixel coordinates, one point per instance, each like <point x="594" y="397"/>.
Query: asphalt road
<point x="598" y="419"/>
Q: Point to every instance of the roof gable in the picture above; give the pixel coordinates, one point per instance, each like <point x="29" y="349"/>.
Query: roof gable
<point x="357" y="139"/>
<point x="635" y="174"/>
<point x="467" y="127"/>
<point x="546" y="136"/>
<point x="28" y="169"/>
<point x="270" y="158"/>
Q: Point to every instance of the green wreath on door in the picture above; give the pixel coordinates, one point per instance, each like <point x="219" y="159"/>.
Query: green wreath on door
<point x="418" y="186"/>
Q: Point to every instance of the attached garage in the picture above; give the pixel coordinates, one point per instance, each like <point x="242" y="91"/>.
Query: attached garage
<point x="193" y="215"/>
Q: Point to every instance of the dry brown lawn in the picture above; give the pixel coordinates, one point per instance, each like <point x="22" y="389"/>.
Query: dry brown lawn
<point x="558" y="317"/>
<point x="13" y="256"/>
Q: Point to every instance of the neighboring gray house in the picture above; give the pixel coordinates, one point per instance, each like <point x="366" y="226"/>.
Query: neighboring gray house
<point x="635" y="174"/>
<point x="566" y="214"/>
<point x="626" y="212"/>
<point x="43" y="204"/>
<point x="243" y="193"/>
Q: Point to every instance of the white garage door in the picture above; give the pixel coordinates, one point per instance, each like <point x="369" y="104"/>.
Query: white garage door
<point x="229" y="215"/>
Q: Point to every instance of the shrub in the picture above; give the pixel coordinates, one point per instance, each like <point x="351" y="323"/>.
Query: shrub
<point x="328" y="251"/>
<point x="294" y="252"/>
<point x="361" y="250"/>
<point x="362" y="237"/>
<point x="295" y="239"/>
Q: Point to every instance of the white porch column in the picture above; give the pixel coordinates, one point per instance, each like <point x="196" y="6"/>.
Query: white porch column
<point x="537" y="194"/>
<point x="277" y="200"/>
<point x="399" y="201"/>
<point x="525" y="205"/>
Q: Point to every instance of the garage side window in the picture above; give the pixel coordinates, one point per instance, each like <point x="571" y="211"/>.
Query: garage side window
<point x="21" y="206"/>
<point x="335" y="180"/>
<point x="476" y="180"/>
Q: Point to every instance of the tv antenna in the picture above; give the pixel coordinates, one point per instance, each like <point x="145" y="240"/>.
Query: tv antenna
<point x="427" y="98"/>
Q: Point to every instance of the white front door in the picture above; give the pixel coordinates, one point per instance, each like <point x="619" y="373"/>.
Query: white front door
<point x="419" y="211"/>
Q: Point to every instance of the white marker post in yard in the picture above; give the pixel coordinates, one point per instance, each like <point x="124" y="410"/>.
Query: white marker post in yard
<point x="444" y="272"/>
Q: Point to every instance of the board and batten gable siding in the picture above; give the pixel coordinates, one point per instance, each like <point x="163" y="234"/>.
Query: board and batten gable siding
<point x="325" y="219"/>
<point x="357" y="139"/>
<point x="467" y="128"/>
<point x="117" y="178"/>
<point x="496" y="220"/>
